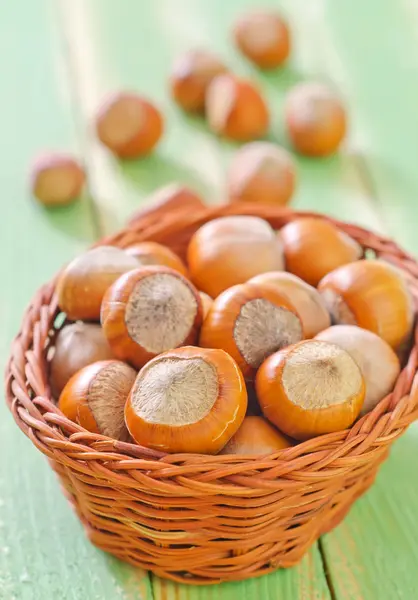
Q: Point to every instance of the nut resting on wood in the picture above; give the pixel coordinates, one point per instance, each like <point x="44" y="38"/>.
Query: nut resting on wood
<point x="129" y="125"/>
<point x="236" y="109"/>
<point x="57" y="179"/>
<point x="263" y="37"/>
<point x="190" y="77"/>
<point x="262" y="173"/>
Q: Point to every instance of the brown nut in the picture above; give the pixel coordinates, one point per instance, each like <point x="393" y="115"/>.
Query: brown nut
<point x="191" y="74"/>
<point x="263" y="37"/>
<point x="57" y="179"/>
<point x="236" y="109"/>
<point x="83" y="283"/>
<point x="77" y="345"/>
<point x="129" y="125"/>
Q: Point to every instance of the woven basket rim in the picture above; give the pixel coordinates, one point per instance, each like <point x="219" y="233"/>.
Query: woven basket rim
<point x="29" y="399"/>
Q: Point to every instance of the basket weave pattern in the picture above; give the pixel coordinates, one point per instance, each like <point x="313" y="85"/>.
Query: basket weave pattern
<point x="195" y="518"/>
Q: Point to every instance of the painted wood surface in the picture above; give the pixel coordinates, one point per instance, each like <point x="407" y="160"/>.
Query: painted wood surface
<point x="57" y="63"/>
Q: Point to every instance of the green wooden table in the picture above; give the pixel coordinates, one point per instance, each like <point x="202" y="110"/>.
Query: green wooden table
<point x="57" y="59"/>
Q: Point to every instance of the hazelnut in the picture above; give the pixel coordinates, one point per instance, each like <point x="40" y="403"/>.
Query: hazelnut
<point x="207" y="302"/>
<point x="310" y="389"/>
<point x="236" y="109"/>
<point x="57" y="179"/>
<point x="256" y="437"/>
<point x="83" y="283"/>
<point x="77" y="345"/>
<point x="250" y="323"/>
<point x="306" y="299"/>
<point x="151" y="253"/>
<point x="230" y="250"/>
<point x="315" y="119"/>
<point x="129" y="125"/>
<point x="149" y="311"/>
<point x="373" y="295"/>
<point x="95" y="398"/>
<point x="376" y="359"/>
<point x="192" y="73"/>
<point x="262" y="173"/>
<point x="264" y="38"/>
<point x="313" y="247"/>
<point x="187" y="400"/>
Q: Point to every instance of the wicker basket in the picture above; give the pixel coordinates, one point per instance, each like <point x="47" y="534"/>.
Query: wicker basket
<point x="195" y="518"/>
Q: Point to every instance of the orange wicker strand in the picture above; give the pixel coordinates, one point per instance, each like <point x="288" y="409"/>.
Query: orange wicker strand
<point x="225" y="518"/>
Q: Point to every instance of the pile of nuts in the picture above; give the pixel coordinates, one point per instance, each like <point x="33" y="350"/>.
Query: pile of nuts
<point x="131" y="126"/>
<point x="231" y="351"/>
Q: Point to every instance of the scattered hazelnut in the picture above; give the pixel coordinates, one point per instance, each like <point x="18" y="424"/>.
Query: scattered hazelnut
<point x="313" y="247"/>
<point x="315" y="119"/>
<point x="236" y="109"/>
<point x="192" y="73"/>
<point x="230" y="250"/>
<point x="262" y="173"/>
<point x="149" y="311"/>
<point x="256" y="437"/>
<point x="264" y="38"/>
<point x="187" y="400"/>
<point x="129" y="125"/>
<point x="95" y="398"/>
<point x="373" y="295"/>
<point x="310" y="389"/>
<point x="77" y="345"/>
<point x="306" y="299"/>
<point x="82" y="284"/>
<point x="376" y="359"/>
<point x="250" y="323"/>
<point x="57" y="179"/>
<point x="151" y="253"/>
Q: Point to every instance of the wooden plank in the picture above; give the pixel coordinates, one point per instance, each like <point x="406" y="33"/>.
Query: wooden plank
<point x="374" y="552"/>
<point x="43" y="552"/>
<point x="306" y="581"/>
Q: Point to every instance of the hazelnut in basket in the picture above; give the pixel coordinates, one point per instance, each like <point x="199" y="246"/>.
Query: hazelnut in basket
<point x="230" y="250"/>
<point x="256" y="436"/>
<point x="149" y="311"/>
<point x="77" y="345"/>
<point x="310" y="389"/>
<point x="371" y="294"/>
<point x="376" y="359"/>
<point x="83" y="283"/>
<point x="305" y="298"/>
<point x="187" y="400"/>
<point x="95" y="397"/>
<point x="250" y="322"/>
